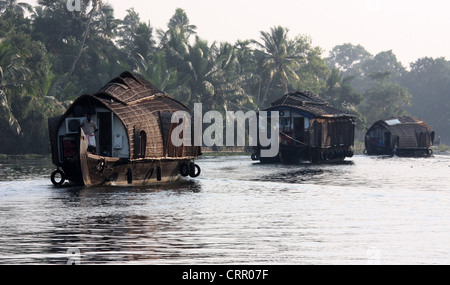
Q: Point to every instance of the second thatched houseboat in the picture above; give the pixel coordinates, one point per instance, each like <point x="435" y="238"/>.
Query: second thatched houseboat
<point x="120" y="136"/>
<point x="402" y="136"/>
<point x="311" y="130"/>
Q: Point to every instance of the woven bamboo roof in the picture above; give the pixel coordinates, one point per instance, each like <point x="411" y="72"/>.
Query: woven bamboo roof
<point x="404" y="123"/>
<point x="139" y="105"/>
<point x="406" y="128"/>
<point x="129" y="88"/>
<point x="310" y="103"/>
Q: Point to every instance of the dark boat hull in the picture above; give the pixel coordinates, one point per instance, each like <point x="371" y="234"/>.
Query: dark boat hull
<point x="107" y="171"/>
<point x="94" y="170"/>
<point x="292" y="155"/>
<point x="401" y="152"/>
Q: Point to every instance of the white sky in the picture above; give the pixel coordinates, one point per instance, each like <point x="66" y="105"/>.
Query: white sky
<point x="411" y="28"/>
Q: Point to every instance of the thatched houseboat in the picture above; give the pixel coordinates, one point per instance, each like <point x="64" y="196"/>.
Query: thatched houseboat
<point x="402" y="136"/>
<point x="131" y="145"/>
<point x="311" y="130"/>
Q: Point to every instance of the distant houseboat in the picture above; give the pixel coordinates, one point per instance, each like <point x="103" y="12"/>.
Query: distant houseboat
<point x="133" y="145"/>
<point x="402" y="136"/>
<point x="311" y="130"/>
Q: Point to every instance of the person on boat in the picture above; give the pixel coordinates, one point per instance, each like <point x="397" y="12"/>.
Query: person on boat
<point x="89" y="128"/>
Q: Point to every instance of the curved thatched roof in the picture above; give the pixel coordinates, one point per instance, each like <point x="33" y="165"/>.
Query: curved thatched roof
<point x="404" y="124"/>
<point x="408" y="129"/>
<point x="310" y="103"/>
<point x="139" y="105"/>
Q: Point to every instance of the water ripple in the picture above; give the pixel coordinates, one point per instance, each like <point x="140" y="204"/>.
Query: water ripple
<point x="393" y="210"/>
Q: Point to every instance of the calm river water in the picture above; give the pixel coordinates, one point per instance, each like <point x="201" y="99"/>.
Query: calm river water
<point x="368" y="210"/>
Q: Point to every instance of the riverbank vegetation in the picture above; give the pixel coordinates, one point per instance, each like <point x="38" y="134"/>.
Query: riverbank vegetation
<point x="49" y="56"/>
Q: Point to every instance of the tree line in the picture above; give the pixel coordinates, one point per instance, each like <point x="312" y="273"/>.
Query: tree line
<point x="49" y="56"/>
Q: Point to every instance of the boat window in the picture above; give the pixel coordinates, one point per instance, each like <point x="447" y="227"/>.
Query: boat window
<point x="140" y="144"/>
<point x="143" y="144"/>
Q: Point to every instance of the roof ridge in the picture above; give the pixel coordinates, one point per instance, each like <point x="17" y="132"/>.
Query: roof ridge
<point x="129" y="88"/>
<point x="310" y="96"/>
<point x="309" y="102"/>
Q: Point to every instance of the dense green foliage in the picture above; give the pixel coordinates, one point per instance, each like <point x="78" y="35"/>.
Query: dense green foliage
<point x="49" y="56"/>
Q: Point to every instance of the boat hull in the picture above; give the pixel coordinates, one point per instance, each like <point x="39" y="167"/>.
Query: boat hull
<point x="293" y="155"/>
<point x="94" y="170"/>
<point x="111" y="171"/>
<point x="413" y="152"/>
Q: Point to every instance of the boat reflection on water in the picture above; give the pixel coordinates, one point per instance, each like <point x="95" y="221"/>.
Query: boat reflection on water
<point x="118" y="224"/>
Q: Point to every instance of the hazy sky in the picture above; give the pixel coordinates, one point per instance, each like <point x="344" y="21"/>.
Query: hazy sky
<point x="411" y="28"/>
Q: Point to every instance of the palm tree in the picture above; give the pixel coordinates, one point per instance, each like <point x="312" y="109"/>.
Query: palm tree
<point x="12" y="75"/>
<point x="96" y="7"/>
<point x="174" y="43"/>
<point x="210" y="72"/>
<point x="38" y="12"/>
<point x="247" y="69"/>
<point x="180" y="23"/>
<point x="176" y="39"/>
<point x="20" y="7"/>
<point x="195" y="68"/>
<point x="136" y="39"/>
<point x="231" y="79"/>
<point x="279" y="56"/>
<point x="144" y="43"/>
<point x="156" y="71"/>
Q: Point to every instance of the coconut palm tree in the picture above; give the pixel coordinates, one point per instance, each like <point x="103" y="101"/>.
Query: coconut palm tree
<point x="136" y="39"/>
<point x="175" y="41"/>
<point x="180" y="23"/>
<point x="96" y="7"/>
<point x="279" y="57"/>
<point x="13" y="5"/>
<point x="12" y="75"/>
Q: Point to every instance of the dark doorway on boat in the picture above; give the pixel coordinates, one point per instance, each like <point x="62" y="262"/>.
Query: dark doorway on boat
<point x="299" y="127"/>
<point x="142" y="143"/>
<point x="387" y="140"/>
<point x="105" y="133"/>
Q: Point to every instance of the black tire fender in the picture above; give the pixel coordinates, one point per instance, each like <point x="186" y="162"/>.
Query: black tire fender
<point x="53" y="178"/>
<point x="195" y="170"/>
<point x="129" y="176"/>
<point x="184" y="169"/>
<point x="329" y="156"/>
<point x="350" y="153"/>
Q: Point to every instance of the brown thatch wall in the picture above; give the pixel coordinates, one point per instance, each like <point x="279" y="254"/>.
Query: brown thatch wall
<point x="140" y="105"/>
<point x="411" y="132"/>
